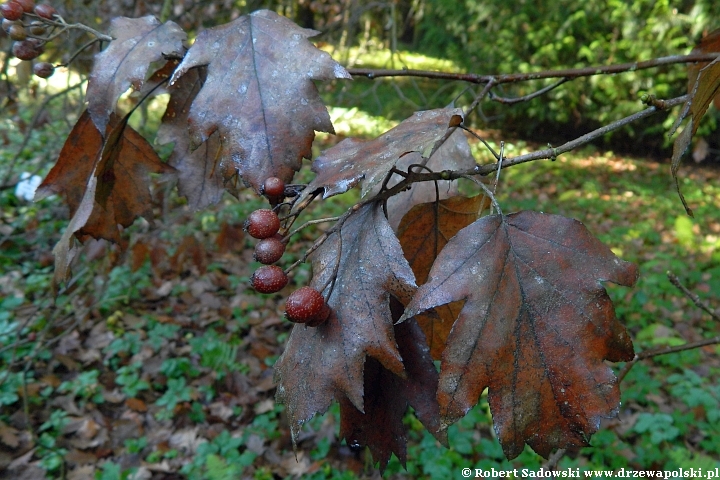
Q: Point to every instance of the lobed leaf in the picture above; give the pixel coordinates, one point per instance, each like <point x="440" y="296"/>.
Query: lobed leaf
<point x="343" y="166"/>
<point x="137" y="42"/>
<point x="423" y="233"/>
<point x="535" y="329"/>
<point x="259" y="94"/>
<point x="387" y="397"/>
<point x="325" y="363"/>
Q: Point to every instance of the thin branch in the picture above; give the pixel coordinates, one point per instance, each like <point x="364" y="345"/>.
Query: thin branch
<point x="665" y="350"/>
<point x="553" y="153"/>
<point x="484" y="142"/>
<point x="523" y="77"/>
<point x="80" y="50"/>
<point x="307" y="224"/>
<point x="64" y="26"/>
<point x="553" y="460"/>
<point x="479" y="98"/>
<point x="696" y="300"/>
<point x="526" y="98"/>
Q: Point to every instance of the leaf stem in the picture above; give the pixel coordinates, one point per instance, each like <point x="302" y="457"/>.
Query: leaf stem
<point x="307" y="224"/>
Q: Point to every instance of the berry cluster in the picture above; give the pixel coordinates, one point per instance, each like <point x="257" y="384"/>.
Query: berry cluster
<point x="305" y="305"/>
<point x="27" y="24"/>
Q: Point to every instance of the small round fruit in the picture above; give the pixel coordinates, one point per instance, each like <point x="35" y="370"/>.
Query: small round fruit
<point x="11" y="10"/>
<point x="43" y="69"/>
<point x="263" y="223"/>
<point x="27" y="49"/>
<point x="304" y="305"/>
<point x="268" y="279"/>
<point x="321" y="318"/>
<point x="27" y="5"/>
<point x="273" y="187"/>
<point x="45" y="11"/>
<point x="17" y="32"/>
<point x="269" y="250"/>
<point x="38" y="28"/>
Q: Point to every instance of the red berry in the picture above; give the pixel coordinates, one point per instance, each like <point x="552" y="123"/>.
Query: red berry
<point x="269" y="279"/>
<point x="269" y="250"/>
<point x="11" y="10"/>
<point x="304" y="305"/>
<point x="27" y="5"/>
<point x="262" y="223"/>
<point x="45" y="11"/>
<point x="273" y="187"/>
<point x="27" y="49"/>
<point x="43" y="69"/>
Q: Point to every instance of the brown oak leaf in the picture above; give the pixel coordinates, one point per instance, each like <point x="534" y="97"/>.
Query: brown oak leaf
<point x="423" y="233"/>
<point x="325" y="363"/>
<point x="387" y="397"/>
<point x="259" y="94"/>
<point x="105" y="183"/>
<point x="137" y="42"/>
<point x="536" y="328"/>
<point x="343" y="166"/>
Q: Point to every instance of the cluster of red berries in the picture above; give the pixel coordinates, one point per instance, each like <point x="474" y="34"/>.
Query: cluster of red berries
<point x="29" y="41"/>
<point x="305" y="305"/>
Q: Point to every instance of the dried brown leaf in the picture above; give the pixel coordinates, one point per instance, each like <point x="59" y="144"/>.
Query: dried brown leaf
<point x="9" y="435"/>
<point x="536" y="328"/>
<point x="453" y="154"/>
<point x="201" y="176"/>
<point x="137" y="42"/>
<point x="387" y="397"/>
<point x="259" y="94"/>
<point x="423" y="233"/>
<point x="323" y="363"/>
<point x="343" y="166"/>
<point x="703" y="87"/>
<point x="105" y="184"/>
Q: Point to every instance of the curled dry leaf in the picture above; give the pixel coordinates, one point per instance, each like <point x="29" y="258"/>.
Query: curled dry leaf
<point x="105" y="184"/>
<point x="703" y="87"/>
<point x="259" y="94"/>
<point x="343" y="166"/>
<point x="423" y="233"/>
<point x="137" y="42"/>
<point x="327" y="362"/>
<point x="536" y="328"/>
<point x="387" y="397"/>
